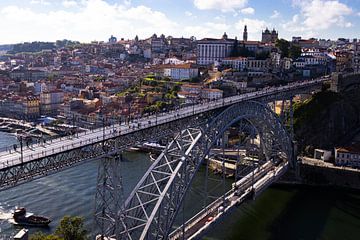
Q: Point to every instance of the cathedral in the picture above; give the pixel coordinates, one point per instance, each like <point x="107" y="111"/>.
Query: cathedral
<point x="269" y="36"/>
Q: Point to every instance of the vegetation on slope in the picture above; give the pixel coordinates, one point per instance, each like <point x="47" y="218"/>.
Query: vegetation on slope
<point x="326" y="120"/>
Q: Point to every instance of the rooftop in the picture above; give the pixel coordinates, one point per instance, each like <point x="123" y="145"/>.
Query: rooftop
<point x="355" y="148"/>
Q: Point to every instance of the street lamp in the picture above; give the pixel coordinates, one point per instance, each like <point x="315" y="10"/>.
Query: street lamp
<point x="20" y="138"/>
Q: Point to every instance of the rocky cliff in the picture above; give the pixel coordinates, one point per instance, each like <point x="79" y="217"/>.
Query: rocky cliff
<point x="328" y="119"/>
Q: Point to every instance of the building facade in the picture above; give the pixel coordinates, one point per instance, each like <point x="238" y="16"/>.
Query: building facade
<point x="181" y="71"/>
<point x="348" y="156"/>
<point x="210" y="50"/>
<point x="268" y="36"/>
<point x="237" y="63"/>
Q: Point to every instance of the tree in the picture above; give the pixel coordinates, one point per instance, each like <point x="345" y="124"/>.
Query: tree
<point x="284" y="46"/>
<point x="295" y="51"/>
<point x="42" y="236"/>
<point x="71" y="228"/>
<point x="263" y="55"/>
<point x="235" y="49"/>
<point x="244" y="52"/>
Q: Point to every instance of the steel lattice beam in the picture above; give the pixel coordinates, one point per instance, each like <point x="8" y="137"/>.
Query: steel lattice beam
<point x="21" y="173"/>
<point x="150" y="210"/>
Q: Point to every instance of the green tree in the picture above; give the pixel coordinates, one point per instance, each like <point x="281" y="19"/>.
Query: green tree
<point x="263" y="55"/>
<point x="284" y="46"/>
<point x="235" y="49"/>
<point x="42" y="236"/>
<point x="71" y="228"/>
<point x="244" y="52"/>
<point x="295" y="51"/>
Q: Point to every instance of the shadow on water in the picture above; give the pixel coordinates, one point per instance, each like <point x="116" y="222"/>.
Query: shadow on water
<point x="310" y="213"/>
<point x="302" y="218"/>
<point x="296" y="213"/>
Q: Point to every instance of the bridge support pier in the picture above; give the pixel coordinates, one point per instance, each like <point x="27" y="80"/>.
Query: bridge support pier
<point x="109" y="196"/>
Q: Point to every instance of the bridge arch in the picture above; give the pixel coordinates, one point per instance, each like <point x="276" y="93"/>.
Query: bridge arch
<point x="151" y="208"/>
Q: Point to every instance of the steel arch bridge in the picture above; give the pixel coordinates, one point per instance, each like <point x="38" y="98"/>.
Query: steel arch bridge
<point x="150" y="210"/>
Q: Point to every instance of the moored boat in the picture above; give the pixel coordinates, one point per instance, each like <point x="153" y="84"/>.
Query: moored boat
<point x="22" y="218"/>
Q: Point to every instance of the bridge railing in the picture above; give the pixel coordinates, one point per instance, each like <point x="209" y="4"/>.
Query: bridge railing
<point x="154" y="119"/>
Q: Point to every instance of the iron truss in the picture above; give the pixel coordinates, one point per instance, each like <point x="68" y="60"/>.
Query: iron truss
<point x="150" y="210"/>
<point x="16" y="174"/>
<point x="21" y="173"/>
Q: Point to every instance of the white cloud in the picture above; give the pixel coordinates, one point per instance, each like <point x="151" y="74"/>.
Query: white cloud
<point x="41" y="2"/>
<point x="69" y="3"/>
<point x="92" y="20"/>
<point x="275" y="14"/>
<point x="127" y="2"/>
<point x="223" y="5"/>
<point x="254" y="27"/>
<point x="189" y="14"/>
<point x="316" y="15"/>
<point x="248" y="10"/>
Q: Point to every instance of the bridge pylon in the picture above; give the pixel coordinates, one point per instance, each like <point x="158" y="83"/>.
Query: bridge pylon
<point x="109" y="196"/>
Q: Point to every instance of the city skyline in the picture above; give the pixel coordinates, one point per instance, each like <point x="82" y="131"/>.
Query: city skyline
<point x="88" y="20"/>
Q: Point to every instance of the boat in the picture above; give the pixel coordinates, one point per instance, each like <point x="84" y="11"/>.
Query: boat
<point x="21" y="217"/>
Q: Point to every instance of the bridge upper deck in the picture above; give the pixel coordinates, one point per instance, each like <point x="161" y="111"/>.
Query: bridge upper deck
<point x="12" y="158"/>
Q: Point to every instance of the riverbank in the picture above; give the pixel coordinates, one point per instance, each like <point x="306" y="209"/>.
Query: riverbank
<point x="22" y="127"/>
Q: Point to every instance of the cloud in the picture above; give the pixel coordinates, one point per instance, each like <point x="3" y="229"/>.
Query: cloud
<point x="41" y="2"/>
<point x="127" y="2"/>
<point x="254" y="26"/>
<point x="223" y="5"/>
<point x="316" y="15"/>
<point x="69" y="3"/>
<point x="90" y="20"/>
<point x="189" y="14"/>
<point x="248" y="10"/>
<point x="275" y="14"/>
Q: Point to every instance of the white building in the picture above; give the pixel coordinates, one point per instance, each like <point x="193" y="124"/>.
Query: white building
<point x="237" y="63"/>
<point x="211" y="94"/>
<point x="322" y="154"/>
<point x="287" y="62"/>
<point x="299" y="63"/>
<point x="181" y="71"/>
<point x="173" y="61"/>
<point x="258" y="65"/>
<point x="348" y="156"/>
<point x="50" y="102"/>
<point x="211" y="50"/>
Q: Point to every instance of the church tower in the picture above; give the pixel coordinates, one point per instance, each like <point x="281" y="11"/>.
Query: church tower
<point x="245" y="35"/>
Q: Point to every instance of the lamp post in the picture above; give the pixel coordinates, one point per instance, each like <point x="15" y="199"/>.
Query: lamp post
<point x="20" y="138"/>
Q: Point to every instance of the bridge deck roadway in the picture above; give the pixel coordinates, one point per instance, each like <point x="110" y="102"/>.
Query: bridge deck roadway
<point x="12" y="158"/>
<point x="201" y="221"/>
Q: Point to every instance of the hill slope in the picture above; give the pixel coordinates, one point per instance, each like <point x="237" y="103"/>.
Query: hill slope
<point x="326" y="120"/>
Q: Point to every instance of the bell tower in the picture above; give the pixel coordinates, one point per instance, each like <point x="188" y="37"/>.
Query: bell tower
<point x="245" y="34"/>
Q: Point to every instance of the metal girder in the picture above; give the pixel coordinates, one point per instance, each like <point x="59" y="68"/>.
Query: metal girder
<point x="109" y="194"/>
<point x="153" y="194"/>
<point x="150" y="210"/>
<point x="21" y="173"/>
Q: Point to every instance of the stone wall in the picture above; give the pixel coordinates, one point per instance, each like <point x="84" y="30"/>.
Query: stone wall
<point x="324" y="176"/>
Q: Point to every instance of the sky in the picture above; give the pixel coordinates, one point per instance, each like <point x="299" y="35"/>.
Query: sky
<point x="89" y="20"/>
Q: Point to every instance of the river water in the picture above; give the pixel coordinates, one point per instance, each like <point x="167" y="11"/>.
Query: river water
<point x="279" y="213"/>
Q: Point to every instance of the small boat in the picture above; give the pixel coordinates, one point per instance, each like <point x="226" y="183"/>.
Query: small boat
<point x="22" y="218"/>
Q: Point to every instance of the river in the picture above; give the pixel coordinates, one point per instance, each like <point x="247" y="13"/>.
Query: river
<point x="279" y="213"/>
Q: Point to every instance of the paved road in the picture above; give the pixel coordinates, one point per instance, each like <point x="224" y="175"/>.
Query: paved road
<point x="10" y="158"/>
